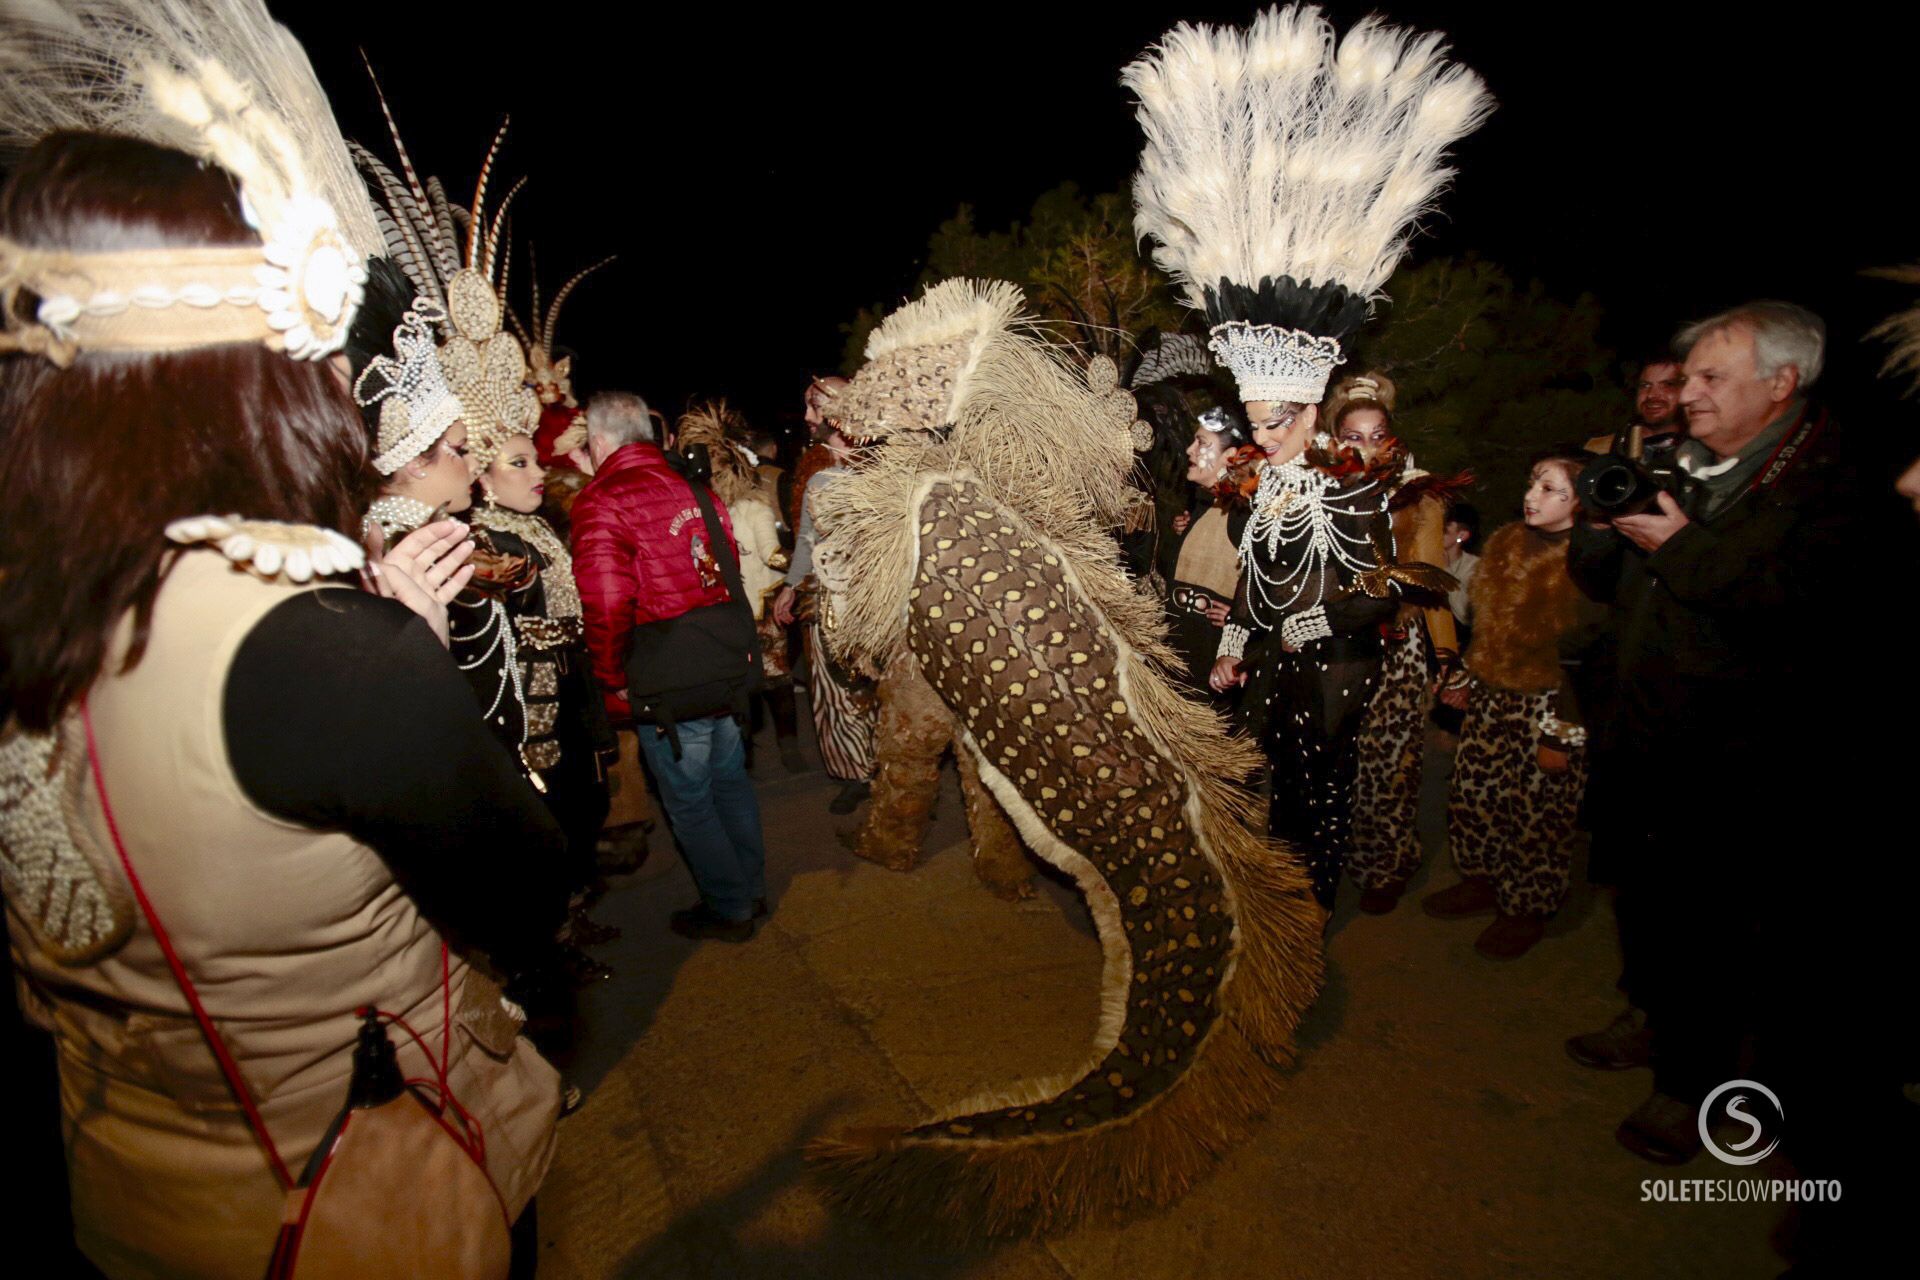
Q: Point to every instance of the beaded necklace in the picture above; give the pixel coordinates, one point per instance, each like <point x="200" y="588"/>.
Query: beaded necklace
<point x="563" y="594"/>
<point x="1296" y="505"/>
<point x="395" y="513"/>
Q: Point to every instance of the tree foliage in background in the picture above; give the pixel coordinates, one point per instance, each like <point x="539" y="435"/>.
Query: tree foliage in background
<point x="1075" y="258"/>
<point x="1488" y="371"/>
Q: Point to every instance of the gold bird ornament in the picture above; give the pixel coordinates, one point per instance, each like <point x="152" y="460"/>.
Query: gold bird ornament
<point x="1416" y="578"/>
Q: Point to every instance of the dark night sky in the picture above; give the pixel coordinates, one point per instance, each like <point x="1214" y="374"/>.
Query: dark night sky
<point x="762" y="176"/>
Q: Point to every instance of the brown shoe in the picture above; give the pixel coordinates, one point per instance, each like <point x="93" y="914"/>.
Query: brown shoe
<point x="1377" y="902"/>
<point x="1662" y="1129"/>
<point x="1510" y="937"/>
<point x="1473" y="896"/>
<point x="1626" y="1042"/>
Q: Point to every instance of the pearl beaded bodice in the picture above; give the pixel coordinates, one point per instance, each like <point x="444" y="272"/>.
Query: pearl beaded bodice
<point x="1307" y="537"/>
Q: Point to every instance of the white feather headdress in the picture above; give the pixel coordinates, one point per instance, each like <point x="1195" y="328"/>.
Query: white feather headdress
<point x="1283" y="172"/>
<point x="217" y="79"/>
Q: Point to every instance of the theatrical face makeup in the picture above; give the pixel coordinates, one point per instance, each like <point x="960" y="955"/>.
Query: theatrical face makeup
<point x="1366" y="430"/>
<point x="1281" y="431"/>
<point x="1206" y="460"/>
<point x="515" y="480"/>
<point x="1549" y="505"/>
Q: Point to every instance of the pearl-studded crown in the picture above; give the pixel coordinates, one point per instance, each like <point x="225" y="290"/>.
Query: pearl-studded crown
<point x="1268" y="362"/>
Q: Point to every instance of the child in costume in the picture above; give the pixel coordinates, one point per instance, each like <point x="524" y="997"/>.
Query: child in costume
<point x="1522" y="761"/>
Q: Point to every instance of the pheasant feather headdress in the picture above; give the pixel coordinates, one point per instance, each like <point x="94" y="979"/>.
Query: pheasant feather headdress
<point x="219" y="80"/>
<point x="455" y="257"/>
<point x="1283" y="172"/>
<point x="551" y="378"/>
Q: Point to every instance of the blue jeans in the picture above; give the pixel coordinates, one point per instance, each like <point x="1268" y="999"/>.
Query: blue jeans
<point x="712" y="810"/>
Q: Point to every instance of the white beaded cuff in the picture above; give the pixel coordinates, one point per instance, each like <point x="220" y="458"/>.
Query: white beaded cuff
<point x="1233" y="641"/>
<point x="1568" y="735"/>
<point x="1303" y="628"/>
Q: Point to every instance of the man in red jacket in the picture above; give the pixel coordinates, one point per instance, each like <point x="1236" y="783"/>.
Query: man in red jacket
<point x="641" y="556"/>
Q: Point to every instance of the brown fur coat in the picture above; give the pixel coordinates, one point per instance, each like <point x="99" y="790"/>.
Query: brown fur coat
<point x="1524" y="602"/>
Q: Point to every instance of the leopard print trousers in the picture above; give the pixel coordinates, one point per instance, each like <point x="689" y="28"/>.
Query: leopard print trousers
<point x="1507" y="818"/>
<point x="1386" y="799"/>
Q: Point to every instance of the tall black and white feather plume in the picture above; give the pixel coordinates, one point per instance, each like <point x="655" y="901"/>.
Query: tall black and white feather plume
<point x="1284" y="168"/>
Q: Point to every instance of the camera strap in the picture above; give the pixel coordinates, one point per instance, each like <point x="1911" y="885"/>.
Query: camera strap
<point x="1812" y="420"/>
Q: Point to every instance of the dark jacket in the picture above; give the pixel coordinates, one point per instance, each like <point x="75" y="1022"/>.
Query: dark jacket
<point x="1719" y="636"/>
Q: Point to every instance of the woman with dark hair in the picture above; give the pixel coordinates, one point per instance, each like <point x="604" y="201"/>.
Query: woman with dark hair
<point x="567" y="736"/>
<point x="1160" y="473"/>
<point x="1420" y="647"/>
<point x="291" y="770"/>
<point x="1522" y="761"/>
<point x="517" y="632"/>
<point x="1206" y="569"/>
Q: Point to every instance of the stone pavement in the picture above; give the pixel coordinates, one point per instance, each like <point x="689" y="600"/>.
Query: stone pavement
<point x="1434" y="1126"/>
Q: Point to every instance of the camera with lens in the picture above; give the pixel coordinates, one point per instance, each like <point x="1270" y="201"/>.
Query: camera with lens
<point x="1623" y="483"/>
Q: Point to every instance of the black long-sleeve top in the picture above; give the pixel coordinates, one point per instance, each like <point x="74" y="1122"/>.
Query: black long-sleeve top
<point x="377" y="736"/>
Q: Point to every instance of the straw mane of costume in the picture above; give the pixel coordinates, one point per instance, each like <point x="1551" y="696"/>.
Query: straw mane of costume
<point x="977" y="533"/>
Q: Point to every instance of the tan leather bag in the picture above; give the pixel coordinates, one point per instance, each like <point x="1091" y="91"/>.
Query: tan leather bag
<point x="397" y="1191"/>
<point x="395" y="1196"/>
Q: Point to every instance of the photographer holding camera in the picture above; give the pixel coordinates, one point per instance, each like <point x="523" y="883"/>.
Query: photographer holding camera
<point x="674" y="650"/>
<point x="1728" y="580"/>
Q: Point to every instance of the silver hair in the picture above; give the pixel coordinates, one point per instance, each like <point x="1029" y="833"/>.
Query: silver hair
<point x="619" y="418"/>
<point x="1783" y="334"/>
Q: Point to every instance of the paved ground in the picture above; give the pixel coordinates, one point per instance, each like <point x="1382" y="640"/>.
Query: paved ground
<point x="1434" y="1127"/>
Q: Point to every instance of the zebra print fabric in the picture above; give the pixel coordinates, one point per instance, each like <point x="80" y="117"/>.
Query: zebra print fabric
<point x="843" y="713"/>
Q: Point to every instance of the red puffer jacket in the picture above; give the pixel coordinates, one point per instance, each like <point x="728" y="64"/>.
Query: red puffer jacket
<point x="634" y="549"/>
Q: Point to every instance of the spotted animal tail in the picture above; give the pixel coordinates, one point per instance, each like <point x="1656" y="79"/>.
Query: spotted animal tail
<point x="1210" y="935"/>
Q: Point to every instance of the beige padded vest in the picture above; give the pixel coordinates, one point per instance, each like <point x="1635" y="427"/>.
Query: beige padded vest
<point x="285" y="932"/>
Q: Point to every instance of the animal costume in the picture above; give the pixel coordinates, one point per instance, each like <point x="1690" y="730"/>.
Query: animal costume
<point x="1282" y="171"/>
<point x="1509" y="820"/>
<point x="974" y="533"/>
<point x="913" y="730"/>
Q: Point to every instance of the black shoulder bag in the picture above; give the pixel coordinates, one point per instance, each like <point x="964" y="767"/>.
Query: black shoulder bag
<point x="704" y="662"/>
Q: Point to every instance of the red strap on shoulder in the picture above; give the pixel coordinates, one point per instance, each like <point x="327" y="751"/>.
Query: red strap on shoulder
<point x="228" y="1066"/>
